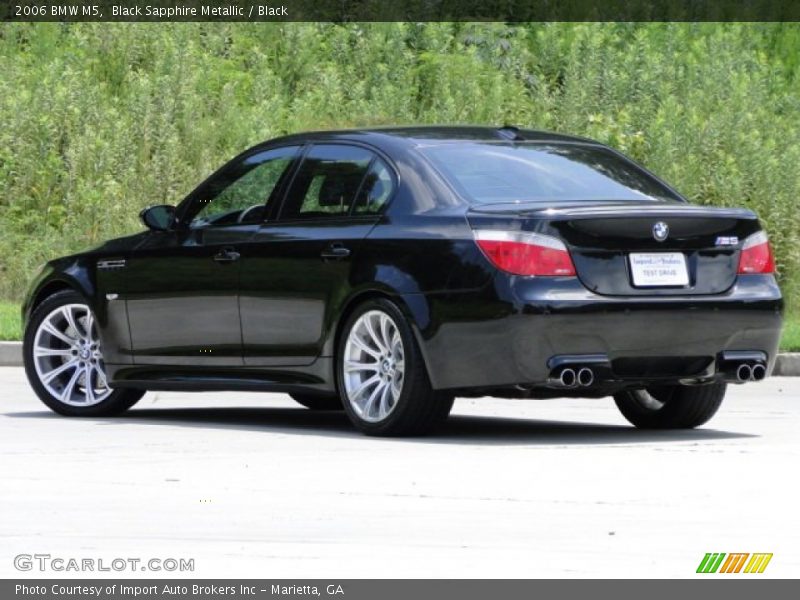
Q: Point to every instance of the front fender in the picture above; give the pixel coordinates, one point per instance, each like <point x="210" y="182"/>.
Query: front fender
<point x="60" y="274"/>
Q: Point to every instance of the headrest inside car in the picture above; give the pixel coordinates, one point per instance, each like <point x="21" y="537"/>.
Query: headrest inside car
<point x="338" y="189"/>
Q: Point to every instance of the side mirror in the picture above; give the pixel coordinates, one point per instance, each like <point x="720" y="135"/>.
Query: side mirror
<point x="158" y="218"/>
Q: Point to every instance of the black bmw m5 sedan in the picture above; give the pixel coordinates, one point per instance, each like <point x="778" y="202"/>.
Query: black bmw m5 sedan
<point x="384" y="272"/>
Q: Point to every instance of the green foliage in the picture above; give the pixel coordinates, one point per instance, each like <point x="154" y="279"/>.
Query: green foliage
<point x="99" y="120"/>
<point x="790" y="338"/>
<point x="10" y="322"/>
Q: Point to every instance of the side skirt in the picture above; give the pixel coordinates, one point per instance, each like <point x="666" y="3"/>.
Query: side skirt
<point x="316" y="377"/>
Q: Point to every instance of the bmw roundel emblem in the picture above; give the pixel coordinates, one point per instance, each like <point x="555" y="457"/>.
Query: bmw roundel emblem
<point x="660" y="231"/>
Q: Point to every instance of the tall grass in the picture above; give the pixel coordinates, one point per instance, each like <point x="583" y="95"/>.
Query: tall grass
<point x="101" y="119"/>
<point x="10" y="322"/>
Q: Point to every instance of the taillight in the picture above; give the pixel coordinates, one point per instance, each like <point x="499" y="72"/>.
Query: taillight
<point x="756" y="255"/>
<point x="526" y="253"/>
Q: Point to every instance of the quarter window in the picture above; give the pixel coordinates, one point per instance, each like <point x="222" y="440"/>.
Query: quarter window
<point x="375" y="190"/>
<point x="327" y="182"/>
<point x="239" y="195"/>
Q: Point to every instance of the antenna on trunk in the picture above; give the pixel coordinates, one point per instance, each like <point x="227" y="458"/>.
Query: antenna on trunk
<point x="510" y="132"/>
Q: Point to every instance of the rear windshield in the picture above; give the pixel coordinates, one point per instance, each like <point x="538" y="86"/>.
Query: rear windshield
<point x="488" y="172"/>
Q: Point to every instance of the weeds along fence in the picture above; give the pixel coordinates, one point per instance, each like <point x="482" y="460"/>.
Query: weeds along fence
<point x="99" y="120"/>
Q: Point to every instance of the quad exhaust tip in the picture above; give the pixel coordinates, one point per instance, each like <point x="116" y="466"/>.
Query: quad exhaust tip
<point x="748" y="372"/>
<point x="585" y="377"/>
<point x="570" y="377"/>
<point x="744" y="372"/>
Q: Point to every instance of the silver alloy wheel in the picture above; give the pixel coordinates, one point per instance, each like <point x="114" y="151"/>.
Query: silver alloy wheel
<point x="373" y="366"/>
<point x="68" y="357"/>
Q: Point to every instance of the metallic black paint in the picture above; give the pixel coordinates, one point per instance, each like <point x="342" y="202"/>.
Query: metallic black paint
<point x="170" y="318"/>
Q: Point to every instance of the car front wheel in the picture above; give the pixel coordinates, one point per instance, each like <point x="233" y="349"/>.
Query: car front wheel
<point x="671" y="406"/>
<point x="64" y="360"/>
<point x="382" y="377"/>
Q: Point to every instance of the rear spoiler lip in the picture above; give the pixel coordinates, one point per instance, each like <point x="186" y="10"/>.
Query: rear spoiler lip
<point x="613" y="210"/>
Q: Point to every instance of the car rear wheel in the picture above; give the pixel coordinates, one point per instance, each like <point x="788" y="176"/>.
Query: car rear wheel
<point x="64" y="360"/>
<point x="318" y="402"/>
<point x="382" y="377"/>
<point x="672" y="406"/>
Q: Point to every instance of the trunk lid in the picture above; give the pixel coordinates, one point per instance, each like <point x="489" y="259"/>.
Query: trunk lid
<point x="615" y="245"/>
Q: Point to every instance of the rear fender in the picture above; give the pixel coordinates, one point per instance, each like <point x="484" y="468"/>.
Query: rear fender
<point x="415" y="307"/>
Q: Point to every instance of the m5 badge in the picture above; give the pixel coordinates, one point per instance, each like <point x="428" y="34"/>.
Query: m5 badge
<point x="727" y="240"/>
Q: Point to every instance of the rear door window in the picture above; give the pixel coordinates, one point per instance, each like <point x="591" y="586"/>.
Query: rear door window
<point x="328" y="182"/>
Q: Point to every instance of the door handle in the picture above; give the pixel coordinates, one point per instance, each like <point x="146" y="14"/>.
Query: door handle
<point x="335" y="251"/>
<point x="227" y="255"/>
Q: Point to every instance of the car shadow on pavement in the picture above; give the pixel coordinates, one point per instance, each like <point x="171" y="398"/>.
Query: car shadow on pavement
<point x="459" y="429"/>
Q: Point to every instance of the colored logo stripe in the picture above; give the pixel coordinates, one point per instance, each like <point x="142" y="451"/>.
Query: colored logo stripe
<point x="733" y="564"/>
<point x="758" y="563"/>
<point x="710" y="562"/>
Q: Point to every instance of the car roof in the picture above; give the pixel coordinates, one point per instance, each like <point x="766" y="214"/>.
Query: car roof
<point x="427" y="134"/>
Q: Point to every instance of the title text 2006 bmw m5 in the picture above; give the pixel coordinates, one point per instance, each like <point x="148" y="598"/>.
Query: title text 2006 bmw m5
<point x="387" y="271"/>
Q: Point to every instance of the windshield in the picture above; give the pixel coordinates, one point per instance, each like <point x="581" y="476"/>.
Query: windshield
<point x="490" y="173"/>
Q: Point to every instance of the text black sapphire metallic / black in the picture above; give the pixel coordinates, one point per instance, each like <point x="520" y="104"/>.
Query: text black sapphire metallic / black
<point x="385" y="271"/>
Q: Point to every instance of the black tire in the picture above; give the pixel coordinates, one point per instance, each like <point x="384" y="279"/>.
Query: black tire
<point x="683" y="407"/>
<point x="318" y="402"/>
<point x="116" y="403"/>
<point x="420" y="409"/>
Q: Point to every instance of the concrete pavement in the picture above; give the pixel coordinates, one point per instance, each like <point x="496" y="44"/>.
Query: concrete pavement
<point x="254" y="485"/>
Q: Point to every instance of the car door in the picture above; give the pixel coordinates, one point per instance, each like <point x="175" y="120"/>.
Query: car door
<point x="298" y="265"/>
<point x="182" y="299"/>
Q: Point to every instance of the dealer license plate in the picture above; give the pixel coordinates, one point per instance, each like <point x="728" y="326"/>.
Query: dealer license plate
<point x="656" y="269"/>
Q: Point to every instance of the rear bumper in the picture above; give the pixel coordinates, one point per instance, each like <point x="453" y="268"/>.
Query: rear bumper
<point x="509" y="334"/>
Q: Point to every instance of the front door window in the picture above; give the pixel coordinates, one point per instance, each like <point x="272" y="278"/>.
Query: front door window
<point x="239" y="195"/>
